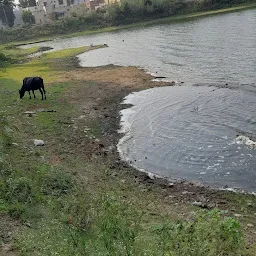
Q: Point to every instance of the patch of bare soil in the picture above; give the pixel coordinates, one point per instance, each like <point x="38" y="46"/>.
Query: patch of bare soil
<point x="8" y="227"/>
<point x="123" y="77"/>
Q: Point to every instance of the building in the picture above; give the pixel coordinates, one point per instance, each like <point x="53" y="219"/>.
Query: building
<point x="94" y="4"/>
<point x="107" y="2"/>
<point x="47" y="10"/>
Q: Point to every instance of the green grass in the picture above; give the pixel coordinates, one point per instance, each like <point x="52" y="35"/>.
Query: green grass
<point x="75" y="206"/>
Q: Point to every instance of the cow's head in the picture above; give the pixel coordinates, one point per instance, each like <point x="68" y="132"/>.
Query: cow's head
<point x="21" y="93"/>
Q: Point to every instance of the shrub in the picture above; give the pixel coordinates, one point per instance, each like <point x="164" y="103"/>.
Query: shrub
<point x="208" y="234"/>
<point x="3" y="57"/>
<point x="19" y="189"/>
<point x="57" y="183"/>
<point x="28" y="17"/>
<point x="3" y="60"/>
<point x="119" y="225"/>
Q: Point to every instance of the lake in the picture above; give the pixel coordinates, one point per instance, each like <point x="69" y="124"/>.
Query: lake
<point x="203" y="130"/>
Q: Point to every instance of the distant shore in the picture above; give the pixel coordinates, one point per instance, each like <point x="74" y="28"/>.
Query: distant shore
<point x="20" y="35"/>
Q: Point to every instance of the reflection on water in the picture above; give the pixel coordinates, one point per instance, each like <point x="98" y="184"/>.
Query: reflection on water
<point x="191" y="132"/>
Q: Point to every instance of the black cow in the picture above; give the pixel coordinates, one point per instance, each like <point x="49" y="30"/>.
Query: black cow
<point x="32" y="83"/>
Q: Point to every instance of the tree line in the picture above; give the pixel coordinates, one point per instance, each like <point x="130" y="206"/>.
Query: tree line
<point x="129" y="11"/>
<point x="6" y="12"/>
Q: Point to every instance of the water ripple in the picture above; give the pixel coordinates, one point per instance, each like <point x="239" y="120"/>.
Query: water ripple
<point x="191" y="132"/>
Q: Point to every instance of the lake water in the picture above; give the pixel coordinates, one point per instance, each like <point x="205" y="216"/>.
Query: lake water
<point x="188" y="131"/>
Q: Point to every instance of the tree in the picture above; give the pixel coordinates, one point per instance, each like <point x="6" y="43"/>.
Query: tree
<point x="28" y="17"/>
<point x="125" y="8"/>
<point x="6" y="12"/>
<point x="27" y="3"/>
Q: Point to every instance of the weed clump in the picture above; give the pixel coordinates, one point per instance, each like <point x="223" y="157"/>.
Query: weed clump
<point x="208" y="234"/>
<point x="57" y="183"/>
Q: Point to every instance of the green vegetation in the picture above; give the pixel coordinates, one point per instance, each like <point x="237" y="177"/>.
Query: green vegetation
<point x="6" y="12"/>
<point x="69" y="203"/>
<point x="114" y="16"/>
<point x="28" y="17"/>
<point x="3" y="60"/>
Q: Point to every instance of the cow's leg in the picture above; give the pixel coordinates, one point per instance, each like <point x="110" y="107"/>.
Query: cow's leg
<point x="29" y="95"/>
<point x="44" y="93"/>
<point x="34" y="94"/>
<point x="41" y="93"/>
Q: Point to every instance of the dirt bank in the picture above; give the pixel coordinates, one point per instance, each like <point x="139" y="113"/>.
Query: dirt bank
<point x="100" y="104"/>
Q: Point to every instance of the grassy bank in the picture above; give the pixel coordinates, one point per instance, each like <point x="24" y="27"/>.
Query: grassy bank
<point x="73" y="196"/>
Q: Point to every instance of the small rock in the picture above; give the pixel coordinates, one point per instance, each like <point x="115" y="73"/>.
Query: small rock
<point x="38" y="142"/>
<point x="199" y="204"/>
<point x="30" y="112"/>
<point x="170" y="185"/>
<point x="28" y="224"/>
<point x="151" y="176"/>
<point x="112" y="148"/>
<point x="249" y="225"/>
<point x="113" y="174"/>
<point x="211" y="205"/>
<point x="237" y="215"/>
<point x="196" y="183"/>
<point x="202" y="199"/>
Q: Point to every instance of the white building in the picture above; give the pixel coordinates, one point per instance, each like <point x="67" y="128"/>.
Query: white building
<point x="46" y="9"/>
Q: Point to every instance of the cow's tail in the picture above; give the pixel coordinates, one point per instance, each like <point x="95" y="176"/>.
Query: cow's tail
<point x="42" y="84"/>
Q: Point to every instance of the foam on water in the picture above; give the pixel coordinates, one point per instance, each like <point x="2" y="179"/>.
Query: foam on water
<point x="241" y="139"/>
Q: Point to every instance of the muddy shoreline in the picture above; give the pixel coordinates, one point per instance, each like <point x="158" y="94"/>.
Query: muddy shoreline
<point x="112" y="84"/>
<point x="97" y="94"/>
